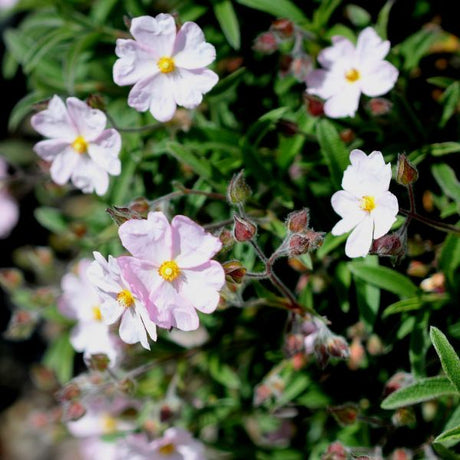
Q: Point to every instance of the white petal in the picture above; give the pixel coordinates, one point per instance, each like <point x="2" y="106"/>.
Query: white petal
<point x="89" y="122"/>
<point x="370" y="47"/>
<point x="111" y="311"/>
<point x="323" y="83"/>
<point x="162" y="103"/>
<point x="10" y="214"/>
<point x="131" y="328"/>
<point x="190" y="85"/>
<point x="384" y="214"/>
<point x="148" y="323"/>
<point x="89" y="177"/>
<point x="140" y="95"/>
<point x="190" y="49"/>
<point x="155" y="34"/>
<point x="55" y="122"/>
<point x="64" y="165"/>
<point x="360" y="239"/>
<point x="345" y="203"/>
<point x="104" y="151"/>
<point x="201" y="286"/>
<point x="342" y="49"/>
<point x="346" y="224"/>
<point x="344" y="103"/>
<point x="50" y="148"/>
<point x="379" y="79"/>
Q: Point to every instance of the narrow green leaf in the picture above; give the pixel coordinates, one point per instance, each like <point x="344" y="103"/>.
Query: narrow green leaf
<point x="414" y="303"/>
<point x="449" y="435"/>
<point x="278" y="8"/>
<point x="419" y="345"/>
<point x="23" y="108"/>
<point x="368" y="297"/>
<point x="382" y="20"/>
<point x="384" y="278"/>
<point x="449" y="259"/>
<point x="294" y="388"/>
<point x="51" y="219"/>
<point x="223" y="373"/>
<point x="323" y="13"/>
<point x="101" y="10"/>
<point x="444" y="452"/>
<point x="228" y="21"/>
<point x="449" y="360"/>
<point x="450" y="99"/>
<point x="422" y="390"/>
<point x="444" y="148"/>
<point x="447" y="180"/>
<point x="59" y="357"/>
<point x="333" y="150"/>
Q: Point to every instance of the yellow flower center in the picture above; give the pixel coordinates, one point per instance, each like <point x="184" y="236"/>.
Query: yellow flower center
<point x="166" y="64"/>
<point x="125" y="298"/>
<point x="97" y="315"/>
<point x="167" y="449"/>
<point x="367" y="203"/>
<point x="80" y="145"/>
<point x="352" y="75"/>
<point x="109" y="424"/>
<point x="169" y="270"/>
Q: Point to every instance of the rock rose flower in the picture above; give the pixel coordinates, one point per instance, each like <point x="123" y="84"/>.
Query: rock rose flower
<point x="365" y="204"/>
<point x="121" y="300"/>
<point x="79" y="146"/>
<point x="8" y="207"/>
<point x="172" y="262"/>
<point x="351" y="70"/>
<point x="165" y="67"/>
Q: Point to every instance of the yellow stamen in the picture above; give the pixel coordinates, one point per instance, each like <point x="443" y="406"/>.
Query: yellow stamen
<point x="80" y="145"/>
<point x="166" y="64"/>
<point x="109" y="424"/>
<point x="367" y="203"/>
<point x="352" y="75"/>
<point x="125" y="298"/>
<point x="167" y="449"/>
<point x="97" y="315"/>
<point x="169" y="270"/>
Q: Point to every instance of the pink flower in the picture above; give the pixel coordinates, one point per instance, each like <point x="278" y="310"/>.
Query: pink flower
<point x="165" y="67"/>
<point x="351" y="70"/>
<point x="120" y="300"/>
<point x="8" y="207"/>
<point x="80" y="301"/>
<point x="79" y="146"/>
<point x="176" y="444"/>
<point x="172" y="263"/>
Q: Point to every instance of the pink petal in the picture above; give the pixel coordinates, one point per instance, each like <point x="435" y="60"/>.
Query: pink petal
<point x="202" y="284"/>
<point x="379" y="79"/>
<point x="148" y="239"/>
<point x="344" y="103"/>
<point x="322" y="83"/>
<point x="191" y="85"/>
<point x="89" y="177"/>
<point x="135" y="63"/>
<point x="131" y="328"/>
<point x="360" y="239"/>
<point x="54" y="122"/>
<point x="162" y="103"/>
<point x="140" y="96"/>
<point x="10" y="214"/>
<point x="190" y="49"/>
<point x="370" y="47"/>
<point x="192" y="245"/>
<point x="89" y="122"/>
<point x="155" y="34"/>
<point x="50" y="148"/>
<point x="104" y="151"/>
<point x="64" y="166"/>
<point x="148" y="323"/>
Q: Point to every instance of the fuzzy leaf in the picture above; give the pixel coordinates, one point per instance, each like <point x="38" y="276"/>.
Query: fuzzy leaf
<point x="449" y="360"/>
<point x="228" y="21"/>
<point x="449" y="435"/>
<point x="414" y="303"/>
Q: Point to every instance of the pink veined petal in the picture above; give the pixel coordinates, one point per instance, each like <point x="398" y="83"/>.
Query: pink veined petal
<point x="131" y="328"/>
<point x="370" y="47"/>
<point x="360" y="239"/>
<point x="135" y="63"/>
<point x="104" y="151"/>
<point x="192" y="245"/>
<point x="379" y="79"/>
<point x="100" y="276"/>
<point x="140" y="96"/>
<point x="185" y="319"/>
<point x="190" y="85"/>
<point x="322" y="83"/>
<point x="50" y="148"/>
<point x="190" y="49"/>
<point x="148" y="239"/>
<point x="384" y="214"/>
<point x="162" y="303"/>
<point x="64" y="166"/>
<point x="54" y="122"/>
<point x="148" y="323"/>
<point x="202" y="284"/>
<point x="89" y="122"/>
<point x="343" y="104"/>
<point x="89" y="177"/>
<point x="341" y="49"/>
<point x="10" y="214"/>
<point x="162" y="103"/>
<point x="155" y="34"/>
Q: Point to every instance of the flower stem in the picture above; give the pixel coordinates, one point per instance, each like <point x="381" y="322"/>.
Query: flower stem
<point x="430" y="222"/>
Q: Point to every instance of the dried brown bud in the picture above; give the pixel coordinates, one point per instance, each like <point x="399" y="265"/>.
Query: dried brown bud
<point x="238" y="191"/>
<point x="392" y="244"/>
<point x="337" y="347"/>
<point x="243" y="230"/>
<point x="98" y="362"/>
<point x="166" y="413"/>
<point x="379" y="106"/>
<point x="301" y="243"/>
<point x="346" y="414"/>
<point x="336" y="451"/>
<point x="314" y="105"/>
<point x="73" y="411"/>
<point x="96" y="101"/>
<point x="68" y="392"/>
<point x="121" y="215"/>
<point x="234" y="271"/>
<point x="11" y="278"/>
<point x="283" y="27"/>
<point x="265" y="43"/>
<point x="140" y="206"/>
<point x="406" y="173"/>
<point x="297" y="221"/>
<point x="347" y="135"/>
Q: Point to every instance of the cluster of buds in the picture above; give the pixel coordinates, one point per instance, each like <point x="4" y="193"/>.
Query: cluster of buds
<point x="345" y="414"/>
<point x="272" y="387"/>
<point x="391" y="245"/>
<point x="300" y="238"/>
<point x="137" y="209"/>
<point x="336" y="451"/>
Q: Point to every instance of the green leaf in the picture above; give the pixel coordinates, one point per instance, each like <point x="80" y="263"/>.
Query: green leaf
<point x="357" y="15"/>
<point x="449" y="259"/>
<point x="223" y="373"/>
<point x="23" y="108"/>
<point x="447" y="180"/>
<point x="444" y="148"/>
<point x="100" y="10"/>
<point x="278" y="8"/>
<point x="330" y="242"/>
<point x="228" y="83"/>
<point x="449" y="435"/>
<point x="449" y="359"/>
<point x="422" y="390"/>
<point x="228" y="21"/>
<point x="294" y="388"/>
<point x="59" y="357"/>
<point x="333" y="150"/>
<point x="384" y="278"/>
<point x="323" y="13"/>
<point x="417" y="46"/>
<point x="382" y="20"/>
<point x="450" y="99"/>
<point x="414" y="303"/>
<point x="51" y="219"/>
<point x="444" y="452"/>
<point x="368" y="297"/>
<point x="419" y="344"/>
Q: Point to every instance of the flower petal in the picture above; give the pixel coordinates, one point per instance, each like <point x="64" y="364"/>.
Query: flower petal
<point x="370" y="47"/>
<point x="89" y="122"/>
<point x="54" y="122"/>
<point x="341" y="49"/>
<point x="104" y="151"/>
<point x="201" y="286"/>
<point x="190" y="86"/>
<point x="148" y="323"/>
<point x="111" y="311"/>
<point x="322" y="83"/>
<point x="89" y="177"/>
<point x="379" y="79"/>
<point x="131" y="328"/>
<point x="192" y="245"/>
<point x="64" y="166"/>
<point x="344" y="103"/>
<point x="50" y="148"/>
<point x="190" y="49"/>
<point x="360" y="239"/>
<point x="384" y="214"/>
<point x="148" y="239"/>
<point x="10" y="214"/>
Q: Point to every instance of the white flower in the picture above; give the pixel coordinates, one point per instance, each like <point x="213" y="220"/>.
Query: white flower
<point x="351" y="70"/>
<point x="167" y="68"/>
<point x="79" y="146"/>
<point x="9" y="209"/>
<point x="121" y="300"/>
<point x="365" y="204"/>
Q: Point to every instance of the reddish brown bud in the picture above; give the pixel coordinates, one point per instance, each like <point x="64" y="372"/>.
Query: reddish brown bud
<point x="265" y="43"/>
<point x="390" y="245"/>
<point x="121" y="215"/>
<point x="283" y="27"/>
<point x="140" y="206"/>
<point x="73" y="411"/>
<point x="10" y="278"/>
<point x="243" y="230"/>
<point x="234" y="271"/>
<point x="227" y="240"/>
<point x="337" y="347"/>
<point x="345" y="414"/>
<point x="397" y="381"/>
<point x="238" y="191"/>
<point x="297" y="221"/>
<point x="21" y="326"/>
<point x="43" y="377"/>
<point x="96" y="101"/>
<point x="166" y="413"/>
<point x="336" y="451"/>
<point x="401" y="454"/>
<point x="347" y="135"/>
<point x="69" y="392"/>
<point x="379" y="106"/>
<point x="406" y="173"/>
<point x="314" y="105"/>
<point x="98" y="362"/>
<point x="301" y="243"/>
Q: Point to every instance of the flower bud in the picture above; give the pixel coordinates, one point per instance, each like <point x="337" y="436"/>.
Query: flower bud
<point x="392" y="244"/>
<point x="401" y="454"/>
<point x="21" y="326"/>
<point x="243" y="230"/>
<point x="11" y="278"/>
<point x="297" y="221"/>
<point x="404" y="416"/>
<point x="301" y="243"/>
<point x="345" y="414"/>
<point x="283" y="27"/>
<point x="68" y="392"/>
<point x="140" y="206"/>
<point x="238" y="191"/>
<point x="73" y="411"/>
<point x="347" y="135"/>
<point x="379" y="106"/>
<point x="121" y="215"/>
<point x="337" y="347"/>
<point x="265" y="43"/>
<point x="227" y="240"/>
<point x="314" y="105"/>
<point x="234" y="271"/>
<point x="397" y="381"/>
<point x="166" y="413"/>
<point x="96" y="101"/>
<point x="98" y="362"/>
<point x="406" y="173"/>
<point x="127" y="386"/>
<point x="336" y="451"/>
